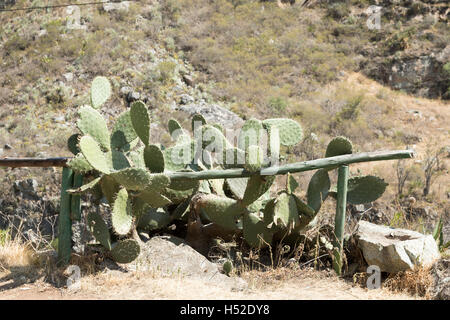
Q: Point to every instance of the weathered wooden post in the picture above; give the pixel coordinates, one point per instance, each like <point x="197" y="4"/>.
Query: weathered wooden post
<point x="341" y="206"/>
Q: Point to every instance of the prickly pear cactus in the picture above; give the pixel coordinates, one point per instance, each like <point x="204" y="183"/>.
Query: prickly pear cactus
<point x="143" y="182"/>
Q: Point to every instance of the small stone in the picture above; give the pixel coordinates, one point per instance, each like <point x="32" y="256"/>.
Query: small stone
<point x="68" y="76"/>
<point x="186" y="99"/>
<point x="8" y="147"/>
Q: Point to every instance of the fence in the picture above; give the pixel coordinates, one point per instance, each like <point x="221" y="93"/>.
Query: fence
<point x="70" y="205"/>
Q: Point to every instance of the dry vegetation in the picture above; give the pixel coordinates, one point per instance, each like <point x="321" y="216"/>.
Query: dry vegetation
<point x="300" y="62"/>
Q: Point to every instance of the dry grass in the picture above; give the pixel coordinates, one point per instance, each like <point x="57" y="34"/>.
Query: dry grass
<point x="14" y="253"/>
<point x="414" y="282"/>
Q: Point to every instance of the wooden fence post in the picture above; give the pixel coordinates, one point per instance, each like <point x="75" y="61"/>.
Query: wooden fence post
<point x="64" y="220"/>
<point x="341" y="206"/>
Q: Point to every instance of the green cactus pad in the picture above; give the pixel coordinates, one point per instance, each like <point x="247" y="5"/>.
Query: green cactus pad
<point x="137" y="158"/>
<point x="141" y="121"/>
<point x="305" y="212"/>
<point x="99" y="229"/>
<point x="221" y="210"/>
<point x="125" y="251"/>
<point x="79" y="164"/>
<point x="109" y="188"/>
<point x="233" y="158"/>
<point x="318" y="189"/>
<point x="250" y="134"/>
<point x="178" y="196"/>
<point x="212" y="138"/>
<point x="175" y="129"/>
<point x="237" y="186"/>
<point x="153" y="198"/>
<point x="85" y="187"/>
<point x="154" y="158"/>
<point x="94" y="155"/>
<point x="260" y="203"/>
<point x="365" y="189"/>
<point x="117" y="160"/>
<point x="100" y="91"/>
<point x="91" y="123"/>
<point x="285" y="211"/>
<point x="256" y="232"/>
<point x="72" y="143"/>
<point x="256" y="186"/>
<point x="177" y="157"/>
<point x="123" y="133"/>
<point x="339" y="146"/>
<point x="197" y="121"/>
<point x="140" y="179"/>
<point x="154" y="219"/>
<point x="227" y="267"/>
<point x="121" y="216"/>
<point x="204" y="187"/>
<point x="290" y="132"/>
<point x="254" y="159"/>
<point x="291" y="183"/>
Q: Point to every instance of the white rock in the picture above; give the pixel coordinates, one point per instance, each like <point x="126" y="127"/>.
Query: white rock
<point x="395" y="250"/>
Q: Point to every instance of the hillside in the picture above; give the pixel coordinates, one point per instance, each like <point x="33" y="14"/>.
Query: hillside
<point x="314" y="61"/>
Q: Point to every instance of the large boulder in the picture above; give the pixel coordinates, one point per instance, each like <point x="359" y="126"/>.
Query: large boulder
<point x="395" y="250"/>
<point x="172" y="256"/>
<point x="213" y="113"/>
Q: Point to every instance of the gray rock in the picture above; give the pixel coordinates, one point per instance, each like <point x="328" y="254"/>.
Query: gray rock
<point x="122" y="6"/>
<point x="8" y="147"/>
<point x="440" y="289"/>
<point x="213" y="113"/>
<point x="133" y="96"/>
<point x="170" y="256"/>
<point x="395" y="250"/>
<point x="186" y="99"/>
<point x="68" y="76"/>
<point x="26" y="188"/>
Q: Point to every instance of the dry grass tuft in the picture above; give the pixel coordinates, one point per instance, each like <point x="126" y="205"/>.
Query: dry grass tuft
<point x="416" y="282"/>
<point x="14" y="253"/>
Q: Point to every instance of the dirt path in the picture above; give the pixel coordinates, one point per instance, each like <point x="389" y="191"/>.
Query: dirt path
<point x="118" y="285"/>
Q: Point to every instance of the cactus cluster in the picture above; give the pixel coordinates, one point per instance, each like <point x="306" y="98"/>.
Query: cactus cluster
<point x="139" y="181"/>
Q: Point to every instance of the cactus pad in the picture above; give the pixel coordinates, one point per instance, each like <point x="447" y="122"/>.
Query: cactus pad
<point x="121" y="215"/>
<point x="285" y="211"/>
<point x="125" y="251"/>
<point x="85" y="187"/>
<point x="140" y="120"/>
<point x="339" y="146"/>
<point x="318" y="189"/>
<point x="92" y="123"/>
<point x="100" y="91"/>
<point x="94" y="155"/>
<point x="365" y="189"/>
<point x="221" y="210"/>
<point x="153" y="198"/>
<point x="99" y="229"/>
<point x="154" y="158"/>
<point x="109" y="188"/>
<point x="117" y="160"/>
<point x="256" y="186"/>
<point x="291" y="183"/>
<point x="256" y="232"/>
<point x="254" y="159"/>
<point x="250" y="134"/>
<point x="197" y="121"/>
<point x="123" y="132"/>
<point x="72" y="143"/>
<point x="154" y="219"/>
<point x="290" y="132"/>
<point x="79" y="164"/>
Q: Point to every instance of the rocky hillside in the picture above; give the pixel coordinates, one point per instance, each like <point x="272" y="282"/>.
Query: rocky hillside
<point x="315" y="61"/>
